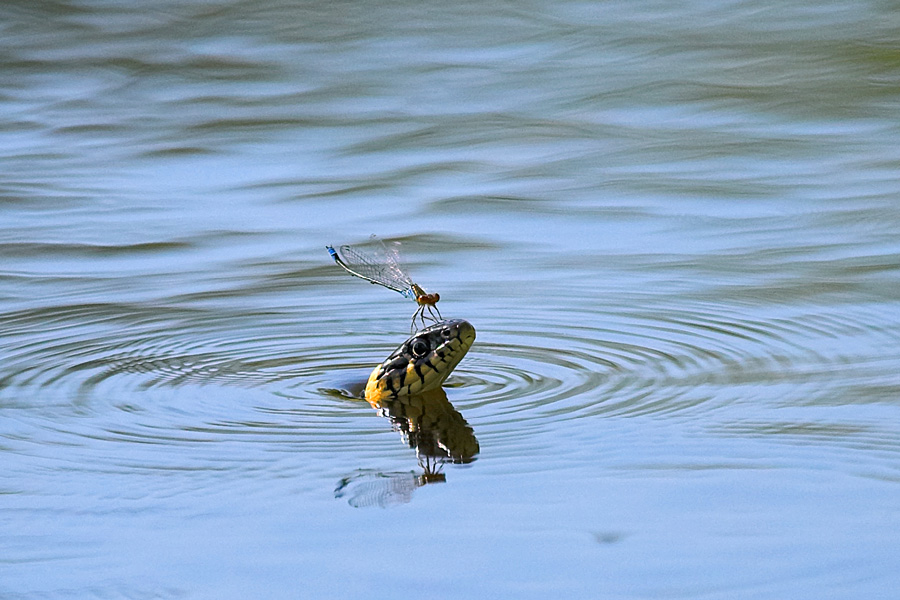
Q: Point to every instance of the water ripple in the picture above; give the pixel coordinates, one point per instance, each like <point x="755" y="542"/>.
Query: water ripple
<point x="299" y="387"/>
<point x="684" y="368"/>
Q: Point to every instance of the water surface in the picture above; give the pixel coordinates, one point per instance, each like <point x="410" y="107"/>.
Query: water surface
<point x="674" y="229"/>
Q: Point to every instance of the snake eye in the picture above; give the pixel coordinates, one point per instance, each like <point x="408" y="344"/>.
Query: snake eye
<point x="445" y="333"/>
<point x="419" y="349"/>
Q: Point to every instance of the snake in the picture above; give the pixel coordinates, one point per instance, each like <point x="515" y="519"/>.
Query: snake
<point x="422" y="363"/>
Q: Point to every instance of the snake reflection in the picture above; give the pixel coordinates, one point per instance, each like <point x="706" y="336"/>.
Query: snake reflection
<point x="406" y="389"/>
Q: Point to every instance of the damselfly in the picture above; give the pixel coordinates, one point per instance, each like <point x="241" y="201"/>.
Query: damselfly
<point x="381" y="265"/>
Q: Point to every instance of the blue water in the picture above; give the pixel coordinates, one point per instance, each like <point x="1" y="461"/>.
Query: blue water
<point x="674" y="228"/>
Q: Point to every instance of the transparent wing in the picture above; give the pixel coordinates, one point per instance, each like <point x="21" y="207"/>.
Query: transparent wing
<point x="371" y="488"/>
<point x="378" y="264"/>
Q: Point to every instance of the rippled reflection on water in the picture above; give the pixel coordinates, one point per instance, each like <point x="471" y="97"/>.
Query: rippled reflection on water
<point x="439" y="435"/>
<point x="674" y="228"/>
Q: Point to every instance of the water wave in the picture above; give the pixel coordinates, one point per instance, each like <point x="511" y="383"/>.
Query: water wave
<point x="301" y="386"/>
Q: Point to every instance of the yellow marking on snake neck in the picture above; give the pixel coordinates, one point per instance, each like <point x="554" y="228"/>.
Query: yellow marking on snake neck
<point x="375" y="391"/>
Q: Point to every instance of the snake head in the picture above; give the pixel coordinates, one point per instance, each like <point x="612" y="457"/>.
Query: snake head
<point x="421" y="363"/>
